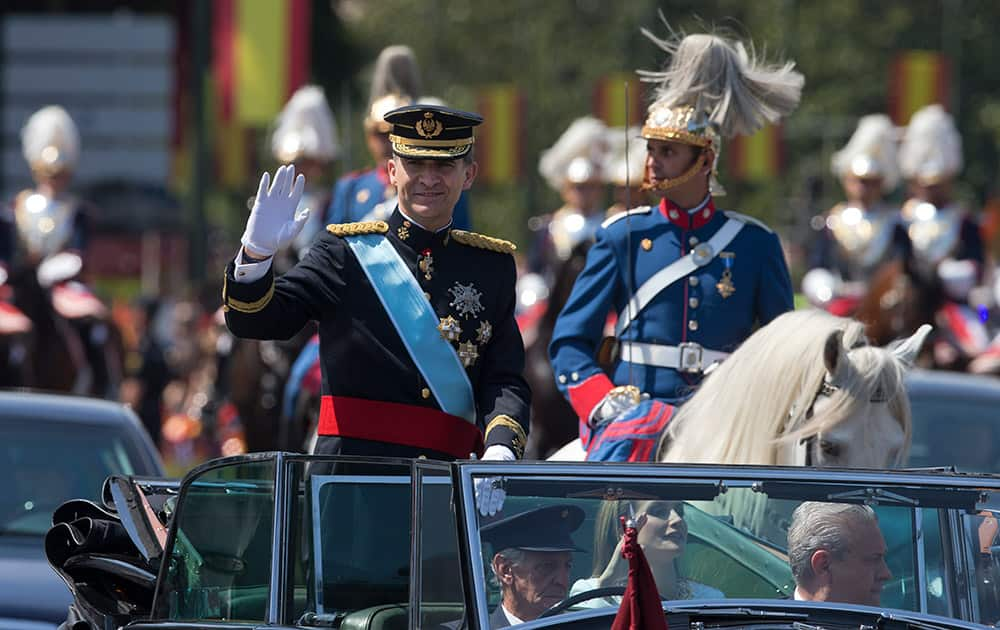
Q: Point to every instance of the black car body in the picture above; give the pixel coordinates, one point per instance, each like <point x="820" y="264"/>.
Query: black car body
<point x="293" y="541"/>
<point x="55" y="448"/>
<point x="956" y="420"/>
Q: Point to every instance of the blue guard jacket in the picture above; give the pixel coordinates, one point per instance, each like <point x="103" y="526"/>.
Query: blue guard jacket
<point x="711" y="310"/>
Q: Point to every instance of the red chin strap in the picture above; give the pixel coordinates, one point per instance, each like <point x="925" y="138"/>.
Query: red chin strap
<point x="674" y="182"/>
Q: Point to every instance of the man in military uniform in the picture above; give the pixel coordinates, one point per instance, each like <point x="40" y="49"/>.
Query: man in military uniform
<point x="858" y="235"/>
<point x="688" y="282"/>
<point x="419" y="348"/>
<point x="368" y="195"/>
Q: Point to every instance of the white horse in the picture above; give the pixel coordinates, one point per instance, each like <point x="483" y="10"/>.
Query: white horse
<point x="806" y="389"/>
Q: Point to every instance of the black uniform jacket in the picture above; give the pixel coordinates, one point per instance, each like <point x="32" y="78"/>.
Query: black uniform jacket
<point x="466" y="276"/>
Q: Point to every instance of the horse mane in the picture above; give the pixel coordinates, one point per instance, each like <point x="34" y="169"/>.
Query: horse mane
<point x="759" y="397"/>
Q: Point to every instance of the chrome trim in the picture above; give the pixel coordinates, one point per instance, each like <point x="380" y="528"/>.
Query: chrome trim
<point x="279" y="541"/>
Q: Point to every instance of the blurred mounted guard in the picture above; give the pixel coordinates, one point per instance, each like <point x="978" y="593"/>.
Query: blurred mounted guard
<point x="861" y="233"/>
<point x="688" y="283"/>
<point x="572" y="167"/>
<point x="945" y="235"/>
<point x="47" y="256"/>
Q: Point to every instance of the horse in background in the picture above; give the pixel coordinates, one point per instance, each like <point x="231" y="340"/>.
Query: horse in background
<point x="59" y="357"/>
<point x="553" y="421"/>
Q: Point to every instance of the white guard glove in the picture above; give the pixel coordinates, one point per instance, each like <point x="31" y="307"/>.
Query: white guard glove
<point x="490" y="494"/>
<point x="273" y="223"/>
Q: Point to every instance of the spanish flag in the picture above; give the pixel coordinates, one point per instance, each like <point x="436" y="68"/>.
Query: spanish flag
<point x="916" y="78"/>
<point x="499" y="141"/>
<point x="260" y="56"/>
<point x="609" y="99"/>
<point x="755" y="158"/>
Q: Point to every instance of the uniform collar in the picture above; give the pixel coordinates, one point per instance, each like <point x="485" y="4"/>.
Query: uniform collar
<point x="690" y="219"/>
<point x="410" y="232"/>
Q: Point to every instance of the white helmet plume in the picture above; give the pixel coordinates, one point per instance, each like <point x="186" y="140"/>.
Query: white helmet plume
<point x="50" y="141"/>
<point x="871" y="152"/>
<point x="577" y="155"/>
<point x="306" y="127"/>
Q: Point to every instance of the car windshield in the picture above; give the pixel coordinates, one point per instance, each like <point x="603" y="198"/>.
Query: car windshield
<point x="45" y="464"/>
<point x="555" y="547"/>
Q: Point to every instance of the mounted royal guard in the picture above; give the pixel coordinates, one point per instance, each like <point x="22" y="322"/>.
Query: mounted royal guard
<point x="52" y="228"/>
<point x="945" y="235"/>
<point x="367" y="195"/>
<point x="856" y="236"/>
<point x="687" y="281"/>
<point x="573" y="168"/>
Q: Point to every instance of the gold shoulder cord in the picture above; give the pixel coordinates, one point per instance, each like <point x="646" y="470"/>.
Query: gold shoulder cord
<point x="361" y="227"/>
<point x="474" y="239"/>
<point x="520" y="439"/>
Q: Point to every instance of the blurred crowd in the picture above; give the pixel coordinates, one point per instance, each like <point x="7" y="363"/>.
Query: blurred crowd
<point x="899" y="250"/>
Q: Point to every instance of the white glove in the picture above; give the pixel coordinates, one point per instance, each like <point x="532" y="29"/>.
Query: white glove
<point x="273" y="223"/>
<point x="490" y="494"/>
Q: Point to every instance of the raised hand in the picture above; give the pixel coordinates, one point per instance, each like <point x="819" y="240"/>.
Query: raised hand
<point x="273" y="223"/>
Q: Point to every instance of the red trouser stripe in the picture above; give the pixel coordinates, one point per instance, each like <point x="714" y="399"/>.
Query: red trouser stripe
<point x="396" y="423"/>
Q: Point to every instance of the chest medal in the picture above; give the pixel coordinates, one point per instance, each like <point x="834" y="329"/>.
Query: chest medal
<point x="465" y="299"/>
<point x="725" y="284"/>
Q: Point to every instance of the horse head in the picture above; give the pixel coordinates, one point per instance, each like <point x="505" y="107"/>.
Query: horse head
<point x="804" y="390"/>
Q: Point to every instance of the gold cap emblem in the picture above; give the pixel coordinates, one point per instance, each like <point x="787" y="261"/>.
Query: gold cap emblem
<point x="428" y="127"/>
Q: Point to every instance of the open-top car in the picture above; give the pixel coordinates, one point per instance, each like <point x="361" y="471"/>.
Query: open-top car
<point x="281" y="540"/>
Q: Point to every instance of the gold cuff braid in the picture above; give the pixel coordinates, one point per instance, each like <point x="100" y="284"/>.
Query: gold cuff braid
<point x="520" y="439"/>
<point x="246" y="307"/>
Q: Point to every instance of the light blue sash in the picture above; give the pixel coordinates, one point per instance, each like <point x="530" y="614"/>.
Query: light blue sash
<point x="416" y="323"/>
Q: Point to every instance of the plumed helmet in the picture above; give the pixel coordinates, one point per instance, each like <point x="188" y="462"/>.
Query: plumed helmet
<point x="578" y="154"/>
<point x="715" y="88"/>
<point x="871" y="152"/>
<point x="50" y="141"/>
<point x="931" y="150"/>
<point x="617" y="166"/>
<point x="306" y="128"/>
<point x="395" y="83"/>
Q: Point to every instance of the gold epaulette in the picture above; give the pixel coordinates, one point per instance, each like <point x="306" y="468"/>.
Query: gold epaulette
<point x="474" y="239"/>
<point x="361" y="227"/>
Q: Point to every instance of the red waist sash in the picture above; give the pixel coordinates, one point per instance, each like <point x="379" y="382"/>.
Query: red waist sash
<point x="396" y="423"/>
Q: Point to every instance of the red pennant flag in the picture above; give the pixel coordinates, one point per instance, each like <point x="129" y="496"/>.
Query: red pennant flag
<point x="640" y="608"/>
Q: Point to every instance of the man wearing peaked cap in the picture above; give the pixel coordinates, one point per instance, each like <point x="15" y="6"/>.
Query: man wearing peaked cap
<point x="419" y="350"/>
<point x="367" y="195"/>
<point x="688" y="282"/>
<point x="531" y="560"/>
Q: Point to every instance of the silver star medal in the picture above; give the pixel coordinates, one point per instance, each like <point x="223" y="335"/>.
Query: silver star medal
<point x="465" y="299"/>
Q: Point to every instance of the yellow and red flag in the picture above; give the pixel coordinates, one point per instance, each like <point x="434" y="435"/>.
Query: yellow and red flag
<point x="499" y="141"/>
<point x="917" y="78"/>
<point x="755" y="158"/>
<point x="609" y="99"/>
<point x="260" y="56"/>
